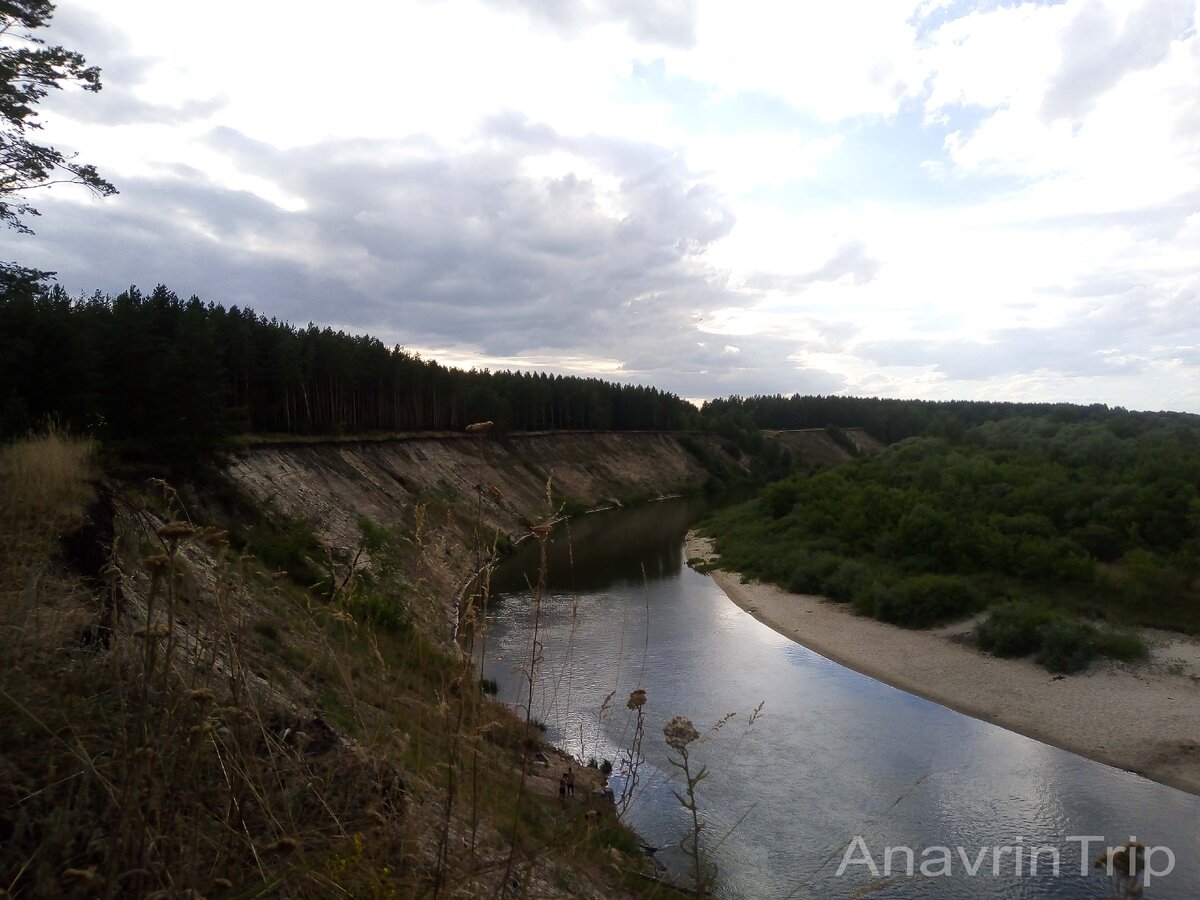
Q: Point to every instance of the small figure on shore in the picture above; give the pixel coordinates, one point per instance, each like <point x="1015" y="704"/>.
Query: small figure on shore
<point x="570" y="782"/>
<point x="562" y="788"/>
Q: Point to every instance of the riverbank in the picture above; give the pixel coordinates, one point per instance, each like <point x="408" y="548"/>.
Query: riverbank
<point x="1142" y="717"/>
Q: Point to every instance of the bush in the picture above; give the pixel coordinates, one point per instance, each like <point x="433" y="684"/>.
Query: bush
<point x="925" y="600"/>
<point x="1099" y="541"/>
<point x="848" y="580"/>
<point x="1123" y="645"/>
<point x="1067" y="646"/>
<point x="1014" y="628"/>
<point x="779" y="498"/>
<point x="810" y="571"/>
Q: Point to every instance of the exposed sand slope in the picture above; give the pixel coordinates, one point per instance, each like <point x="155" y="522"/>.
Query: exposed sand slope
<point x="1143" y="717"/>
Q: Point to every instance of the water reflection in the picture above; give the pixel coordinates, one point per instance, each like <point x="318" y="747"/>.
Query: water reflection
<point x="837" y="754"/>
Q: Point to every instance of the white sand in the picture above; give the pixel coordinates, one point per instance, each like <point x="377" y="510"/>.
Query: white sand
<point x="1143" y="717"/>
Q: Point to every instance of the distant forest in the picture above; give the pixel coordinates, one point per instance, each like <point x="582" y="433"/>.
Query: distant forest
<point x="894" y="420"/>
<point x="178" y="375"/>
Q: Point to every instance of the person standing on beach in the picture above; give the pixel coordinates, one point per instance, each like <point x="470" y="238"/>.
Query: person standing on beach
<point x="570" y="776"/>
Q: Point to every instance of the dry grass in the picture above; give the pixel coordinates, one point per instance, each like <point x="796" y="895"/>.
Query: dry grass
<point x="180" y="723"/>
<point x="44" y="480"/>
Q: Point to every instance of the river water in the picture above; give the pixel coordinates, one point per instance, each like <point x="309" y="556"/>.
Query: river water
<point x="834" y="754"/>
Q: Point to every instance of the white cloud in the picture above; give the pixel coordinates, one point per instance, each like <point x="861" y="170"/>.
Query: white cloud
<point x="847" y="194"/>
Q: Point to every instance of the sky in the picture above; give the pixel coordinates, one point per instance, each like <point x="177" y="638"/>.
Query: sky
<point x="964" y="199"/>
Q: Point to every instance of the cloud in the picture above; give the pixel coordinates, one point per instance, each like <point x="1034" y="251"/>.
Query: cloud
<point x="669" y="22"/>
<point x="978" y="196"/>
<point x="123" y="72"/>
<point x="1097" y="53"/>
<point x="429" y="243"/>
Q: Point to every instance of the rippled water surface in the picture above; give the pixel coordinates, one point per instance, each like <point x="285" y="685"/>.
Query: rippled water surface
<point x="834" y="755"/>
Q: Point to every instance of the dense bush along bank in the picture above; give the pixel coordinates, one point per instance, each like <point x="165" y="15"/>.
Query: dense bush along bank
<point x="1099" y="519"/>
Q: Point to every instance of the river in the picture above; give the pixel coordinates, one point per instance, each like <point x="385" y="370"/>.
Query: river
<point x="834" y="754"/>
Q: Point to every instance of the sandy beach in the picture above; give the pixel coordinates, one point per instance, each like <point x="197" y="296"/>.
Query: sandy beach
<point x="1143" y="717"/>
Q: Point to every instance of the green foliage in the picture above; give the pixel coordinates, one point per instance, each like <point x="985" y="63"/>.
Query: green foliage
<point x="159" y="375"/>
<point x="843" y="440"/>
<point x="1123" y="645"/>
<point x="291" y="546"/>
<point x="1060" y="642"/>
<point x="1066" y="646"/>
<point x="1014" y="628"/>
<point x="1071" y="508"/>
<point x="921" y="601"/>
<point x="30" y="69"/>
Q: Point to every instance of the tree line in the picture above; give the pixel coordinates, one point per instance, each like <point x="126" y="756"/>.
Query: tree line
<point x="177" y="376"/>
<point x="1100" y="516"/>
<point x="891" y="420"/>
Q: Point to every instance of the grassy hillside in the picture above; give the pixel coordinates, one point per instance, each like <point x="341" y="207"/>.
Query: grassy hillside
<point x="218" y="708"/>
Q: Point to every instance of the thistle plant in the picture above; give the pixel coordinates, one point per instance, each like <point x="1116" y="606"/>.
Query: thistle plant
<point x="680" y="732"/>
<point x="632" y="759"/>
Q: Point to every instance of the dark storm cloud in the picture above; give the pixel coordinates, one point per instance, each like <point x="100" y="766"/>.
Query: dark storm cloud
<point x="670" y="22"/>
<point x="1096" y="55"/>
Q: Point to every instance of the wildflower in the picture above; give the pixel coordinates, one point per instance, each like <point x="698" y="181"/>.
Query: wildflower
<point x="680" y="732"/>
<point x="636" y="700"/>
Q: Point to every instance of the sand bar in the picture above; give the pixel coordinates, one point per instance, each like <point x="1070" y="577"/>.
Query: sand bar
<point x="1143" y="717"/>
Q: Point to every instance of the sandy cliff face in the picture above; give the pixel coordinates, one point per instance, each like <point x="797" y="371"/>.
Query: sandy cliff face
<point x="501" y="481"/>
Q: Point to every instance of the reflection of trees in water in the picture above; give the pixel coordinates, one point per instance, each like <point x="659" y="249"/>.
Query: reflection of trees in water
<point x="603" y="549"/>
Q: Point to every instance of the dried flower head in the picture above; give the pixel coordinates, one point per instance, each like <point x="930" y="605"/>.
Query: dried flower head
<point x="214" y="538"/>
<point x="157" y="563"/>
<point x="680" y="732"/>
<point x="542" y="530"/>
<point x="223" y="883"/>
<point x="284" y="845"/>
<point x="1130" y="856"/>
<point x="480" y="427"/>
<point x="152" y="631"/>
<point x="173" y="532"/>
<point x="636" y="700"/>
<point x="202" y="696"/>
<point x="84" y="879"/>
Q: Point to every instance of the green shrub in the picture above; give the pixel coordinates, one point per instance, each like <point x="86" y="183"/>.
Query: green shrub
<point x="1122" y="645"/>
<point x="1067" y="646"/>
<point x="384" y="612"/>
<point x="925" y="600"/>
<point x="779" y="498"/>
<point x="1014" y="628"/>
<point x="1099" y="541"/>
<point x="847" y="581"/>
<point x="489" y="686"/>
<point x="268" y="629"/>
<point x="292" y="546"/>
<point x="810" y="570"/>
